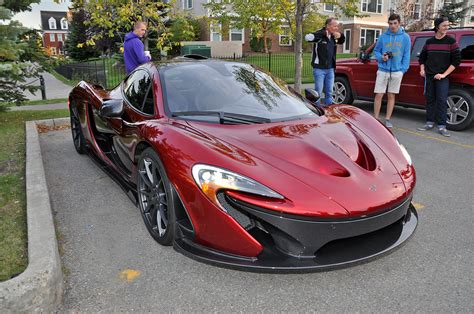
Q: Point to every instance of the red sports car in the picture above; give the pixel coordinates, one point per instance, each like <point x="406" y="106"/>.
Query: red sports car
<point x="231" y="167"/>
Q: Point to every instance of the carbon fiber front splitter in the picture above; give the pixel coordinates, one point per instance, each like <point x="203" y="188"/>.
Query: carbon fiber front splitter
<point x="335" y="254"/>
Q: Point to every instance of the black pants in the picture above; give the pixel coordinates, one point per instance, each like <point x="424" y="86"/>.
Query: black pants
<point x="436" y="93"/>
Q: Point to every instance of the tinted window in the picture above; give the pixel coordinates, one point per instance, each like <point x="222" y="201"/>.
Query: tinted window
<point x="232" y="88"/>
<point x="136" y="88"/>
<point x="466" y="45"/>
<point x="417" y="47"/>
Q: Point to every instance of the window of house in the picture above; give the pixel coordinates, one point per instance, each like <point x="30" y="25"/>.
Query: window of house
<point x="216" y="32"/>
<point x="368" y="36"/>
<point x="466" y="45"/>
<point x="60" y="37"/>
<point x="53" y="51"/>
<point x="416" y="10"/>
<point x="371" y="6"/>
<point x="52" y="23"/>
<point x="329" y="7"/>
<point x="236" y="34"/>
<point x="137" y="88"/>
<point x="63" y="23"/>
<point x="188" y="4"/>
<point x="51" y="38"/>
<point x="284" y="38"/>
<point x="347" y="42"/>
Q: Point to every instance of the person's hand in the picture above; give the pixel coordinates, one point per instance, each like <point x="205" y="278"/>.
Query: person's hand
<point x="422" y="73"/>
<point x="385" y="57"/>
<point x="439" y="76"/>
<point x="337" y="35"/>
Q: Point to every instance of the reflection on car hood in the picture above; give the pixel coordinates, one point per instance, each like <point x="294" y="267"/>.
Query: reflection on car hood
<point x="325" y="153"/>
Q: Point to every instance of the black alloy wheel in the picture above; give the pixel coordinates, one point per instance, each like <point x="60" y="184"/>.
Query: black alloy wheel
<point x="154" y="197"/>
<point x="76" y="130"/>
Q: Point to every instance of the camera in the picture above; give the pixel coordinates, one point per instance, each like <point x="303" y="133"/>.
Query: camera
<point x="389" y="54"/>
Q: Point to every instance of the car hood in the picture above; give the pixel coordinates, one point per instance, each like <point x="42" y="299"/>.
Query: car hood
<point x="326" y="153"/>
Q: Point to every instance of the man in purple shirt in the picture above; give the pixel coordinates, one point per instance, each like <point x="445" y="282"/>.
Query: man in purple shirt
<point x="133" y="49"/>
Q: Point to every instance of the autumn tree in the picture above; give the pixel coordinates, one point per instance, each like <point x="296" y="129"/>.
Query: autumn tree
<point x="116" y="17"/>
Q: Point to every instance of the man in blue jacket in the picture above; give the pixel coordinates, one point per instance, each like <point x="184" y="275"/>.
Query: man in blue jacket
<point x="133" y="49"/>
<point x="393" y="55"/>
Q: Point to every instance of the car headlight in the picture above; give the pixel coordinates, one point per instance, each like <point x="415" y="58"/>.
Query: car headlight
<point x="212" y="179"/>
<point x="405" y="153"/>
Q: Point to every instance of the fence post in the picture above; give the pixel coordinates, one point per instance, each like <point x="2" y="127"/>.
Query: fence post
<point x="270" y="61"/>
<point x="234" y="56"/>
<point x="43" y="87"/>
<point x="105" y="75"/>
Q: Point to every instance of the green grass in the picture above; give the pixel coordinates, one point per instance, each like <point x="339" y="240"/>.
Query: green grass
<point x="43" y="102"/>
<point x="63" y="79"/>
<point x="13" y="234"/>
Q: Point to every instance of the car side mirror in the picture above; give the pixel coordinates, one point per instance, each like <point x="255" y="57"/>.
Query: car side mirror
<point x="363" y="56"/>
<point x="311" y="95"/>
<point x="112" y="108"/>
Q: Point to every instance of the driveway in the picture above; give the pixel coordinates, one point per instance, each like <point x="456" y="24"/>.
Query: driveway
<point x="112" y="264"/>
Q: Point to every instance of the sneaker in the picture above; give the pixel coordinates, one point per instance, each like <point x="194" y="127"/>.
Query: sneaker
<point x="426" y="127"/>
<point x="388" y="124"/>
<point x="444" y="132"/>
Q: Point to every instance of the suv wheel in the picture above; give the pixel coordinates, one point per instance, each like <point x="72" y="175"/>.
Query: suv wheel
<point x="342" y="93"/>
<point x="460" y="107"/>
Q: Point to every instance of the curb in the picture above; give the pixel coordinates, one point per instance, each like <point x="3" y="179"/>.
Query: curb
<point x="40" y="287"/>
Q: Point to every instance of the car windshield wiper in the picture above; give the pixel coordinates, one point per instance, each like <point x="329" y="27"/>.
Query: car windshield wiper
<point x="224" y="116"/>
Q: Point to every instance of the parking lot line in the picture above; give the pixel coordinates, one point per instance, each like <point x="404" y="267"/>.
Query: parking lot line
<point x="434" y="138"/>
<point x="129" y="274"/>
<point x="418" y="206"/>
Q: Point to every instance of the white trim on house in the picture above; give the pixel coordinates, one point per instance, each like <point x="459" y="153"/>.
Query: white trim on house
<point x="280" y="36"/>
<point x="362" y="22"/>
<point x="366" y="2"/>
<point x="232" y="31"/>
<point x="347" y="43"/>
<point x="52" y="23"/>
<point x="64" y="23"/>
<point x="365" y="37"/>
<point x="215" y="30"/>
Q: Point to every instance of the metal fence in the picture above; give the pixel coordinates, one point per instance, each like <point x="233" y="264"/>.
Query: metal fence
<point x="109" y="72"/>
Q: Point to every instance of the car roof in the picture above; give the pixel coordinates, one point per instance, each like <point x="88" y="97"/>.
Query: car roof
<point x="463" y="30"/>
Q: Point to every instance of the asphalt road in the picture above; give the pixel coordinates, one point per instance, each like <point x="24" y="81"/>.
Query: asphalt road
<point x="112" y="264"/>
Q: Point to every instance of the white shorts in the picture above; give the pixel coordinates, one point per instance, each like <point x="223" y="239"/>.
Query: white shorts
<point x="391" y="80"/>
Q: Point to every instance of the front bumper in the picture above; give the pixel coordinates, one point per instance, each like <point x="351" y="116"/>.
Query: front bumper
<point x="304" y="244"/>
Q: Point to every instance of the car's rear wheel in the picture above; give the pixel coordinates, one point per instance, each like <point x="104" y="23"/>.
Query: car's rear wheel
<point x="76" y="129"/>
<point x="342" y="93"/>
<point x="154" y="197"/>
<point x="460" y="107"/>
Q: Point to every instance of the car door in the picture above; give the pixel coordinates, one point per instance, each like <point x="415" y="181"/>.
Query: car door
<point x="139" y="106"/>
<point x="412" y="86"/>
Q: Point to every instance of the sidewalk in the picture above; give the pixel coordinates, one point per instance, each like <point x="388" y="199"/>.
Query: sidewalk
<point x="40" y="107"/>
<point x="54" y="88"/>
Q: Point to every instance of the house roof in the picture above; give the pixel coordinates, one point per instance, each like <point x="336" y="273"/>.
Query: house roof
<point x="57" y="15"/>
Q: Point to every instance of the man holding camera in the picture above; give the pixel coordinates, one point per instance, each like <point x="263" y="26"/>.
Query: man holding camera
<point x="393" y="55"/>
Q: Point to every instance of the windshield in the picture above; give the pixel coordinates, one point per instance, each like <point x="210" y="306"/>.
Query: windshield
<point x="228" y="88"/>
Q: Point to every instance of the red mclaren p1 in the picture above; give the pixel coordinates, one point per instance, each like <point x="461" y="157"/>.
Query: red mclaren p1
<point x="232" y="167"/>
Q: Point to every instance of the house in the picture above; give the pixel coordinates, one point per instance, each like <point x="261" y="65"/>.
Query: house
<point x="55" y="28"/>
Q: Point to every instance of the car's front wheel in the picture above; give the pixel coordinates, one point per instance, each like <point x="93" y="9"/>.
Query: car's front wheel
<point x="154" y="197"/>
<point x="342" y="93"/>
<point x="460" y="108"/>
<point x="76" y="129"/>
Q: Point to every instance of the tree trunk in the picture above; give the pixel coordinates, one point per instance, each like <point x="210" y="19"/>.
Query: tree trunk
<point x="265" y="44"/>
<point x="299" y="44"/>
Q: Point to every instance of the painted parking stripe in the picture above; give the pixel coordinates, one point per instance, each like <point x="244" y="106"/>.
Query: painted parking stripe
<point x="434" y="138"/>
<point x="418" y="206"/>
<point x="129" y="274"/>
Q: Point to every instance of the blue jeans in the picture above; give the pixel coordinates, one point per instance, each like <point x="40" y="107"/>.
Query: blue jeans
<point x="324" y="77"/>
<point x="436" y="93"/>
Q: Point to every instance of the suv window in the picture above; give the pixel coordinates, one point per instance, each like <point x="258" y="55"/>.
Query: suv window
<point x="138" y="91"/>
<point x="417" y="47"/>
<point x="466" y="45"/>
